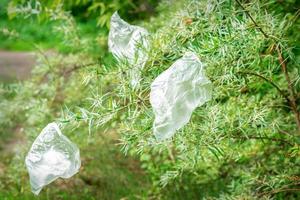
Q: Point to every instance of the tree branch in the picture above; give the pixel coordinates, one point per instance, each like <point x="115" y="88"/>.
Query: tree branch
<point x="282" y="189"/>
<point x="77" y="67"/>
<point x="267" y="80"/>
<point x="247" y="13"/>
<point x="262" y="138"/>
<point x="292" y="97"/>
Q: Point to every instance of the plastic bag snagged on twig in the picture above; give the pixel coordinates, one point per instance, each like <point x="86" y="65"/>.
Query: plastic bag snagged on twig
<point x="128" y="42"/>
<point x="175" y="94"/>
<point x="52" y="155"/>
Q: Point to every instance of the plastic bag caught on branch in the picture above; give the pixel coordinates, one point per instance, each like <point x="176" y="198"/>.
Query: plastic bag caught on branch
<point x="52" y="155"/>
<point x="176" y="93"/>
<point x="128" y="42"/>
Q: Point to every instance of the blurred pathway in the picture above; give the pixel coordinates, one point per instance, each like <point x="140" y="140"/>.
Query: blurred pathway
<point x="15" y="65"/>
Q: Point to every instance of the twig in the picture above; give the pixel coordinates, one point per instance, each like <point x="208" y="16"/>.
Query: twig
<point x="269" y="81"/>
<point x="247" y="13"/>
<point x="263" y="138"/>
<point x="77" y="67"/>
<point x="282" y="189"/>
<point x="292" y="97"/>
<point x="43" y="55"/>
<point x="171" y="154"/>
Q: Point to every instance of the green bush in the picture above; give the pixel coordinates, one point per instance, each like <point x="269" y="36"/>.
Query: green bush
<point x="244" y="144"/>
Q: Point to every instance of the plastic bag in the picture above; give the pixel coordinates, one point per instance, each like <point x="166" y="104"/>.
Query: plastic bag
<point x="175" y="94"/>
<point x="52" y="155"/>
<point x="128" y="42"/>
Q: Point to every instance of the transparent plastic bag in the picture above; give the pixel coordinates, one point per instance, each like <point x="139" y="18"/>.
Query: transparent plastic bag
<point x="128" y="42"/>
<point x="52" y="155"/>
<point x="176" y="93"/>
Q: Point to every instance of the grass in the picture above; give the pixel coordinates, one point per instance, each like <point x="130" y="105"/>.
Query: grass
<point x="32" y="34"/>
<point x="29" y="33"/>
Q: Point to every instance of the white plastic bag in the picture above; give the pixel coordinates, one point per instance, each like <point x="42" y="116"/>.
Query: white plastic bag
<point x="175" y="94"/>
<point x="128" y="42"/>
<point x="52" y="155"/>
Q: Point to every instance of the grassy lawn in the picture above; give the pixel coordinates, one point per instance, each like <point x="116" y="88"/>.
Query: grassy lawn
<point x="31" y="34"/>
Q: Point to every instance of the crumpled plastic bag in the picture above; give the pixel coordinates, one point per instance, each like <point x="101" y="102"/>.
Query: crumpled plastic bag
<point x="128" y="42"/>
<point x="52" y="155"/>
<point x="175" y="94"/>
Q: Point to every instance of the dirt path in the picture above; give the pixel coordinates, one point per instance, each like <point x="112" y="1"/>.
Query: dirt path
<point x="13" y="66"/>
<point x="16" y="65"/>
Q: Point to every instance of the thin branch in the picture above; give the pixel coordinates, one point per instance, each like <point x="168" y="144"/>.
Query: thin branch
<point x="256" y="25"/>
<point x="263" y="138"/>
<point x="292" y="97"/>
<point x="278" y="191"/>
<point x="77" y="67"/>
<point x="282" y="189"/>
<point x="67" y="72"/>
<point x="43" y="55"/>
<point x="267" y="80"/>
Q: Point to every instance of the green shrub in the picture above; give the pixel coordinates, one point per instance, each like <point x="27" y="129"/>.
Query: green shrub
<point x="244" y="144"/>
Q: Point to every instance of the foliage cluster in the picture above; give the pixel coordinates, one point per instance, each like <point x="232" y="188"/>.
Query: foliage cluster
<point x="244" y="144"/>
